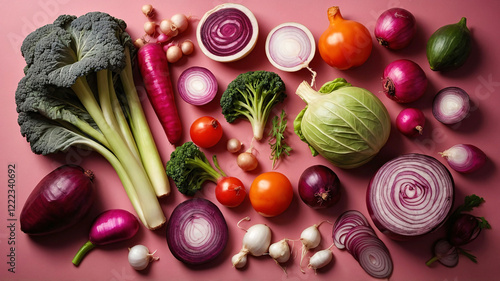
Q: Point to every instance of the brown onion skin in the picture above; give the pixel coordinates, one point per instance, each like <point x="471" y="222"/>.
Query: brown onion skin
<point x="60" y="200"/>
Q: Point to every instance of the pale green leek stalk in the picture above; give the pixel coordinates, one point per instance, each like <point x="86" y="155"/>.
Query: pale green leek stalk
<point x="153" y="214"/>
<point x="142" y="133"/>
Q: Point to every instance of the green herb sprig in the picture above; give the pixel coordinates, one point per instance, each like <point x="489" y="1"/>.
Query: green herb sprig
<point x="279" y="147"/>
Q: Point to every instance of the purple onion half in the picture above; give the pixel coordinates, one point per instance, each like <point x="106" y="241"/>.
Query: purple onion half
<point x="410" y="196"/>
<point x="197" y="231"/>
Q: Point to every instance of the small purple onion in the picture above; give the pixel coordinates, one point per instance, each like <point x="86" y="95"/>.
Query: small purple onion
<point x="464" y="158"/>
<point x="465" y="229"/>
<point x="410" y="122"/>
<point x="451" y="105"/>
<point x="395" y="28"/>
<point x="404" y="81"/>
<point x="445" y="253"/>
<point x="319" y="187"/>
<point x="110" y="226"/>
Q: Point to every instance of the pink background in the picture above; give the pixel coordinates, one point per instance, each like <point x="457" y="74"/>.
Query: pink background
<point x="49" y="258"/>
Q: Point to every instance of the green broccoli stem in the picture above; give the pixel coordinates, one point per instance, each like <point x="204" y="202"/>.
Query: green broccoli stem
<point x="153" y="213"/>
<point x="108" y="101"/>
<point x="211" y="173"/>
<point x="142" y="133"/>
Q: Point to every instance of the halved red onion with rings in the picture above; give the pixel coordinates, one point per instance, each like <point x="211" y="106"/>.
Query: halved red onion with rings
<point x="228" y="32"/>
<point x="410" y="196"/>
<point x="197" y="231"/>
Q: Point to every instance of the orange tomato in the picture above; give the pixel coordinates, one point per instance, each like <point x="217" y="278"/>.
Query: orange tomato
<point x="271" y="193"/>
<point x="345" y="43"/>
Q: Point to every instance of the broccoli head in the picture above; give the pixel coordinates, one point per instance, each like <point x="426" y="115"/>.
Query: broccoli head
<point x="189" y="168"/>
<point x="252" y="95"/>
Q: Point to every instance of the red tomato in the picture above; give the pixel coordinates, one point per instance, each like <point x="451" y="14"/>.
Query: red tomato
<point x="230" y="192"/>
<point x="205" y="131"/>
<point x="271" y="193"/>
<point x="345" y="43"/>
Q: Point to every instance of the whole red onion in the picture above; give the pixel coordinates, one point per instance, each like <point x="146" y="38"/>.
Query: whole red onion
<point x="404" y="81"/>
<point x="319" y="187"/>
<point x="60" y="200"/>
<point x="410" y="122"/>
<point x="395" y="28"/>
<point x="464" y="229"/>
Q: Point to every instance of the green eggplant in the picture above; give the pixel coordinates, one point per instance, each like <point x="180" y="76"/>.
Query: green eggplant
<point x="449" y="47"/>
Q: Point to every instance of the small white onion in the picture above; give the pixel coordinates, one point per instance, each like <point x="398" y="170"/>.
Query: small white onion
<point x="320" y="259"/>
<point x="139" y="257"/>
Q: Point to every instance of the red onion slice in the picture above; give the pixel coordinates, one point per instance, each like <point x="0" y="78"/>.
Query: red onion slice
<point x="290" y="46"/>
<point x="451" y="105"/>
<point x="410" y="196"/>
<point x="356" y="234"/>
<point x="228" y="32"/>
<point x="197" y="85"/>
<point x="374" y="257"/>
<point x="344" y="223"/>
<point x="197" y="231"/>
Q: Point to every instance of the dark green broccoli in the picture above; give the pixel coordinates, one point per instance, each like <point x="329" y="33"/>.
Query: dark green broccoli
<point x="252" y="95"/>
<point x="189" y="168"/>
<point x="78" y="90"/>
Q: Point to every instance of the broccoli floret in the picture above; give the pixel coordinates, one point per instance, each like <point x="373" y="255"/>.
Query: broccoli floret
<point x="252" y="95"/>
<point x="189" y="168"/>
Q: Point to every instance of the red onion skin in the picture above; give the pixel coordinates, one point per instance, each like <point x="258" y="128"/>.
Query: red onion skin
<point x="404" y="81"/>
<point x="464" y="229"/>
<point x="113" y="226"/>
<point x="395" y="28"/>
<point x="476" y="159"/>
<point x="319" y="187"/>
<point x="60" y="200"/>
<point x="410" y="122"/>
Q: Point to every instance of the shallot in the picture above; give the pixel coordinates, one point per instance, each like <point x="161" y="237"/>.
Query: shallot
<point x="180" y="21"/>
<point x="233" y="145"/>
<point x="464" y="158"/>
<point x="410" y="122"/>
<point x="148" y="10"/>
<point x="247" y="161"/>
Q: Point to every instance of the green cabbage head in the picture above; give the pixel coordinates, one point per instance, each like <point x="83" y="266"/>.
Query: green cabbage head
<point x="347" y="125"/>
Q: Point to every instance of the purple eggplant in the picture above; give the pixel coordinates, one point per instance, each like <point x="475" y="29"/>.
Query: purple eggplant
<point x="60" y="200"/>
<point x="109" y="227"/>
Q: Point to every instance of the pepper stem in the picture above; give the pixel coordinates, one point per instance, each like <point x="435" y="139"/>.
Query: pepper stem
<point x="82" y="252"/>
